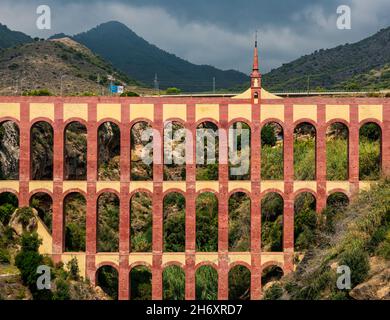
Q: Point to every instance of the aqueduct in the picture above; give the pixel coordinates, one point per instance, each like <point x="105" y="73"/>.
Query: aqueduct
<point x="256" y="107"/>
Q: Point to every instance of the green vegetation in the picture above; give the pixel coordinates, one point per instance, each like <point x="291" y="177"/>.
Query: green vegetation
<point x="75" y="208"/>
<point x="271" y="153"/>
<point x="141" y="283"/>
<point x="40" y="92"/>
<point x="141" y="216"/>
<point x="174" y="223"/>
<point x="206" y="281"/>
<point x="239" y="222"/>
<point x="108" y="223"/>
<point x="173" y="283"/>
<point x="207" y="222"/>
<point x="272" y="222"/>
<point x="239" y="283"/>
<point x="107" y="279"/>
<point x="172" y="91"/>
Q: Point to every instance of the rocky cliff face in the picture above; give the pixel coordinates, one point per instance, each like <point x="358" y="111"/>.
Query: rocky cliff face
<point x="9" y="151"/>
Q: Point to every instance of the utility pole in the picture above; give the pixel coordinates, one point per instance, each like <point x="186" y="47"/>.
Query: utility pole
<point x="213" y="85"/>
<point x="156" y="84"/>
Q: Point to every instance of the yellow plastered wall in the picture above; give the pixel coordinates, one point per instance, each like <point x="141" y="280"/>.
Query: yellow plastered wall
<point x="365" y="185"/>
<point x="115" y="185"/>
<point x="35" y="185"/>
<point x="105" y="110"/>
<point x="370" y="111"/>
<point x="279" y="258"/>
<point x="10" y="110"/>
<point x="272" y="111"/>
<point x="206" y="257"/>
<point x="311" y="185"/>
<point x="39" y="110"/>
<point x="181" y="185"/>
<point x="240" y="257"/>
<point x="148" y="185"/>
<point x="10" y="184"/>
<point x="240" y="111"/>
<point x="175" y="111"/>
<point x="142" y="111"/>
<point x="212" y="185"/>
<point x="332" y="185"/>
<point x="68" y="185"/>
<point x="246" y="185"/>
<point x="106" y="257"/>
<point x="81" y="261"/>
<point x="268" y="184"/>
<point x="76" y="110"/>
<point x="138" y="257"/>
<point x="173" y="257"/>
<point x="305" y="111"/>
<point x="337" y="112"/>
<point x="207" y="111"/>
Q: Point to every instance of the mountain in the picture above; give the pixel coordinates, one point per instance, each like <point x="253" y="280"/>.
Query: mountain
<point x="142" y="61"/>
<point x="362" y="65"/>
<point x="41" y="65"/>
<point x="9" y="38"/>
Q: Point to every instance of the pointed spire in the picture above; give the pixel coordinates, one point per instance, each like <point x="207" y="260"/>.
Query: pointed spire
<point x="255" y="59"/>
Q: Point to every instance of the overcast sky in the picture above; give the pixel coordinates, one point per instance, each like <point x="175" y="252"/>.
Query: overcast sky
<point x="216" y="32"/>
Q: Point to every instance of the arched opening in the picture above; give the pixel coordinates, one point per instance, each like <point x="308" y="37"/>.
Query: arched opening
<point x="8" y="204"/>
<point x="174" y="222"/>
<point x="141" y="222"/>
<point x="75" y="213"/>
<point x="41" y="153"/>
<point x="141" y="152"/>
<point x="239" y="222"/>
<point x="174" y="152"/>
<point x="107" y="279"/>
<point x="305" y="152"/>
<point x="272" y="164"/>
<point x="109" y="148"/>
<point x="239" y="283"/>
<point x="270" y="276"/>
<point x="9" y="150"/>
<point x="337" y="152"/>
<point x="75" y="151"/>
<point x="140" y="283"/>
<point x="43" y="203"/>
<point x="207" y="222"/>
<point x="337" y="200"/>
<point x="206" y="280"/>
<point x="174" y="283"/>
<point x="305" y="220"/>
<point x="239" y="151"/>
<point x="272" y="206"/>
<point x="207" y="151"/>
<point x="108" y="222"/>
<point x="370" y="158"/>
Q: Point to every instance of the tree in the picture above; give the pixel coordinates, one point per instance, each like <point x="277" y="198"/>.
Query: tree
<point x="268" y="136"/>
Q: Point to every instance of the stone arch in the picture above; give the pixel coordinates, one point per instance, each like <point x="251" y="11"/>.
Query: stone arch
<point x="43" y="203"/>
<point x="141" y="222"/>
<point x="272" y="151"/>
<point x="207" y="222"/>
<point x="239" y="282"/>
<point x="109" y="144"/>
<point x="370" y="150"/>
<point x="272" y="220"/>
<point x="140" y="278"/>
<point x="174" y="204"/>
<point x="41" y="151"/>
<point x="305" y="139"/>
<point x="9" y="202"/>
<point x="141" y="169"/>
<point x="9" y="150"/>
<point x="75" y="151"/>
<point x="173" y="283"/>
<point x="75" y="215"/>
<point x="207" y="151"/>
<point x="337" y="199"/>
<point x="206" y="283"/>
<point x="107" y="228"/>
<point x="174" y="151"/>
<point x="337" y="151"/>
<point x="239" y="146"/>
<point x="107" y="277"/>
<point x="239" y="222"/>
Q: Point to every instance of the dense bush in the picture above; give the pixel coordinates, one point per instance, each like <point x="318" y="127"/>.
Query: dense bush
<point x="274" y="292"/>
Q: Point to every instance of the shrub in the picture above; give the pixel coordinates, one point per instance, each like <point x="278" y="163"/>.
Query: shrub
<point x="73" y="268"/>
<point x="62" y="290"/>
<point x="357" y="260"/>
<point x="129" y="94"/>
<point x="24" y="216"/>
<point x="41" y="92"/>
<point x="274" y="292"/>
<point x="4" y="256"/>
<point x="173" y="91"/>
<point x="268" y="136"/>
<point x="6" y="211"/>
